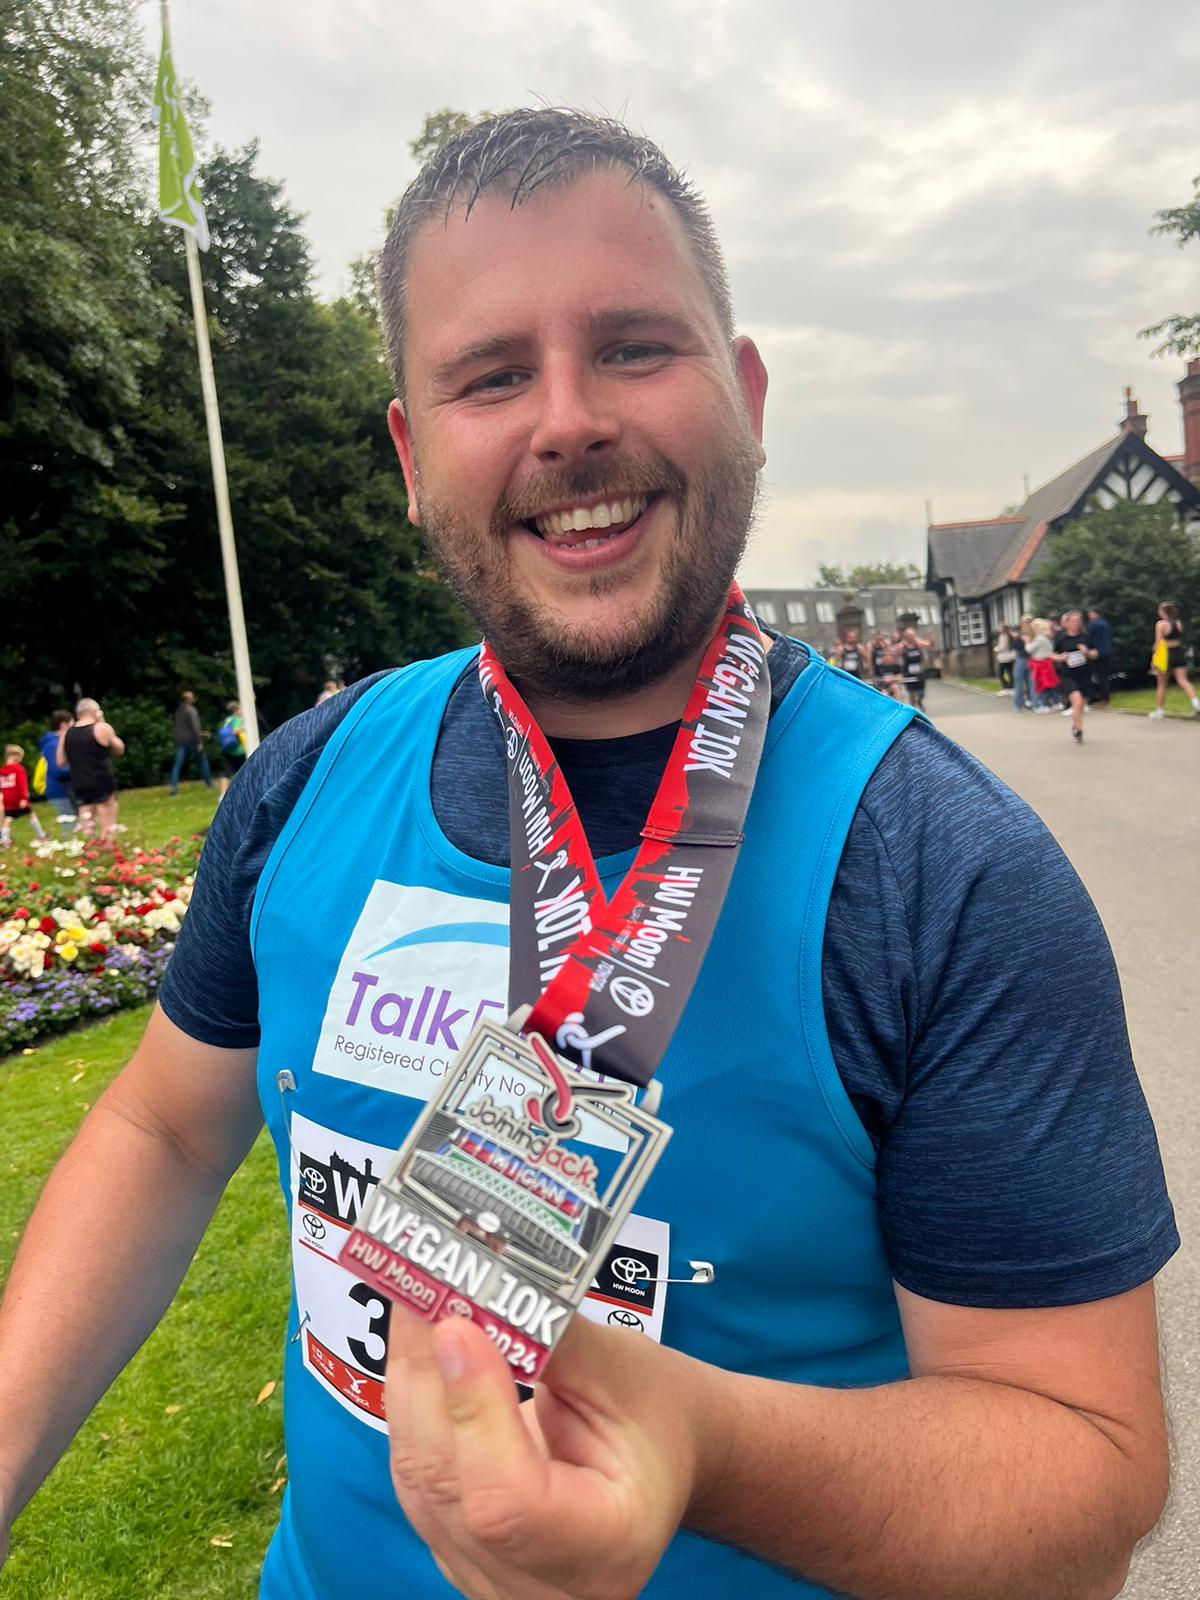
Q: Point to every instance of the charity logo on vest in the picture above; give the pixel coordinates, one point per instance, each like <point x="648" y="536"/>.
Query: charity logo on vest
<point x="418" y="971"/>
<point x="488" y="1212"/>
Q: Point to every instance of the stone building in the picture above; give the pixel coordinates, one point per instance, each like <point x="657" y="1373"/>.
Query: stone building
<point x="822" y="617"/>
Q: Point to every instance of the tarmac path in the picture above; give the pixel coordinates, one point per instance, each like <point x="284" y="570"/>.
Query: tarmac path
<point x="1125" y="806"/>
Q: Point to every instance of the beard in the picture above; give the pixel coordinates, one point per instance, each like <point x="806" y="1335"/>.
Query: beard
<point x="547" y="656"/>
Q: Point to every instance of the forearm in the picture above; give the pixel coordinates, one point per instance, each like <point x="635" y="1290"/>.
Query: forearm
<point x="933" y="1489"/>
<point x="102" y="1257"/>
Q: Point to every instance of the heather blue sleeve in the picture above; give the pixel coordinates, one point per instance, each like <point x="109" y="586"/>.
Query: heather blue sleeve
<point x="210" y="989"/>
<point x="990" y="1062"/>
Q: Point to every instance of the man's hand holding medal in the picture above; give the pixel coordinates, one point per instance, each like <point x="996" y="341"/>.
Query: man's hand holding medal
<point x="577" y="1493"/>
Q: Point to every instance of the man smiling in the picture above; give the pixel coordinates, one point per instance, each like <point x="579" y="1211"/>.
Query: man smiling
<point x="926" y="1365"/>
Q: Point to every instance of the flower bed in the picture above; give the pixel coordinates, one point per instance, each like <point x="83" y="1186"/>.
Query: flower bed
<point x="86" y="930"/>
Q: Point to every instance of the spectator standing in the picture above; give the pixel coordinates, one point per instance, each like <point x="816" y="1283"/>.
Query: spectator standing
<point x="1041" y="668"/>
<point x="1073" y="657"/>
<point x="1099" y="636"/>
<point x="1167" y="660"/>
<point x="231" y="745"/>
<point x="1022" y="683"/>
<point x="189" y="741"/>
<point x="88" y="746"/>
<point x="58" y="778"/>
<point x="328" y="690"/>
<point x="14" y="792"/>
<point x="1006" y="655"/>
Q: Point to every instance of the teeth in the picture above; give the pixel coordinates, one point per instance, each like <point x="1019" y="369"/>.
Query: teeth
<point x="578" y="519"/>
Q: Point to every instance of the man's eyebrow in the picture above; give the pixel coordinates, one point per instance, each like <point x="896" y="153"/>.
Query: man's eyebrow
<point x="515" y="347"/>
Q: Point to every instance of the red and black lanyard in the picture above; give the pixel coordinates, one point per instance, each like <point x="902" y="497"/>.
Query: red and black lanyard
<point x="608" y="979"/>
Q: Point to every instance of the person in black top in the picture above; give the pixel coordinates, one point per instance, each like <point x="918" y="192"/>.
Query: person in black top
<point x="850" y="655"/>
<point x="87" y="747"/>
<point x="1073" y="657"/>
<point x="1168" y="634"/>
<point x="912" y="661"/>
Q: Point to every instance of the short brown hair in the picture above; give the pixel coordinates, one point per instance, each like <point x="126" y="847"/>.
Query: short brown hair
<point x="517" y="153"/>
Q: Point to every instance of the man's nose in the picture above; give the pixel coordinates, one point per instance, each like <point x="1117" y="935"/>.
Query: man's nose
<point x="576" y="416"/>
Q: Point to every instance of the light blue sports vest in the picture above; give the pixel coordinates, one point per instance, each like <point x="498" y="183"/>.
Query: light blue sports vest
<point x="377" y="943"/>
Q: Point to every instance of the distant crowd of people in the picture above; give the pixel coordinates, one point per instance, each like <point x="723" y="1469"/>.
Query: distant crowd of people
<point x="1061" y="663"/>
<point x="894" y="664"/>
<point x="74" y="769"/>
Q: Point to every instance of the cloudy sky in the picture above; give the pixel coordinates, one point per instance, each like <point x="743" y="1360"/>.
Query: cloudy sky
<point x="935" y="212"/>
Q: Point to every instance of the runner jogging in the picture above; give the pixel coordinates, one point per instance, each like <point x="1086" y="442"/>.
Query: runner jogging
<point x="1073" y="657"/>
<point x="926" y="1361"/>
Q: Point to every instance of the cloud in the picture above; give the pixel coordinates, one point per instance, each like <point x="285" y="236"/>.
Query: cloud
<point x="935" y="214"/>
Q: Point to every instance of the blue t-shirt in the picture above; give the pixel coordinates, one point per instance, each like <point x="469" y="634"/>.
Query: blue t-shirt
<point x="1099" y="636"/>
<point x="990" y="1065"/>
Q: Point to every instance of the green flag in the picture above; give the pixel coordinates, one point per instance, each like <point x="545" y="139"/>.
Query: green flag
<point x="178" y="185"/>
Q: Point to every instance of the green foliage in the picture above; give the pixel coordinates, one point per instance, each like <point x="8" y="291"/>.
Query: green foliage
<point x="438" y="128"/>
<point x="1124" y="561"/>
<point x="148" y="731"/>
<point x="106" y="497"/>
<point x="867" y="574"/>
<point x="1180" y="334"/>
<point x="177" y="1453"/>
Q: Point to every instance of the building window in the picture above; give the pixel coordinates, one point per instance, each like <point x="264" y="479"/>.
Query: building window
<point x="765" y="611"/>
<point x="971" y="627"/>
<point x="797" y="611"/>
<point x="825" y="611"/>
<point x="869" y="616"/>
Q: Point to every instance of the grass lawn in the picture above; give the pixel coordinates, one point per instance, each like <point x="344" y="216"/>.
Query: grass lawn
<point x="151" y="816"/>
<point x="178" y="1453"/>
<point x="1177" y="703"/>
<point x="1141" y="700"/>
<point x="991" y="685"/>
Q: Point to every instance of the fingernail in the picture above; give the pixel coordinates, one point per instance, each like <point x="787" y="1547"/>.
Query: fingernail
<point x="448" y="1352"/>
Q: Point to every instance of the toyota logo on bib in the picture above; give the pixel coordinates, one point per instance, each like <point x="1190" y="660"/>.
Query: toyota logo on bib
<point x="628" y="1269"/>
<point x="626" y="1319"/>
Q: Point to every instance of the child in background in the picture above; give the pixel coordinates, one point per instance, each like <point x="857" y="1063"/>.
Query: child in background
<point x="14" y="791"/>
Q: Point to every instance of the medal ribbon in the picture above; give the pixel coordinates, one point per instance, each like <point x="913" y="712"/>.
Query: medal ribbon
<point x="608" y="979"/>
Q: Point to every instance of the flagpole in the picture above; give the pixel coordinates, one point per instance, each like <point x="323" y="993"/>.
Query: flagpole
<point x="216" y="451"/>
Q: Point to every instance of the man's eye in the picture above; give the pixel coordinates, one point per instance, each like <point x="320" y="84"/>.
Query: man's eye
<point x="496" y="383"/>
<point x="626" y="355"/>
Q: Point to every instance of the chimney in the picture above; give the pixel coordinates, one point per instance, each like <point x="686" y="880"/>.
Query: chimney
<point x="1134" y="421"/>
<point x="1189" y="400"/>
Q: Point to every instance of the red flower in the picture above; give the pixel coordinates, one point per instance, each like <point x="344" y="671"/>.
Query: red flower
<point x="21" y="911"/>
<point x="34" y="886"/>
<point x="169" y="894"/>
<point x="47" y="925"/>
<point x="97" y="949"/>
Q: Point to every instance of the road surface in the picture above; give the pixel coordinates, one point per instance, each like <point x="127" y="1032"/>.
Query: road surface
<point x="1125" y="806"/>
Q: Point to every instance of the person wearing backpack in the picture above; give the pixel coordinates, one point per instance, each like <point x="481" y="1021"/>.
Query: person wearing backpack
<point x="231" y="744"/>
<point x="52" y="781"/>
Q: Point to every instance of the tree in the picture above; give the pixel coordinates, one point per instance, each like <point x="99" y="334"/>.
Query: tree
<point x="867" y="574"/>
<point x="81" y="321"/>
<point x="438" y="127"/>
<point x="1180" y="334"/>
<point x="1123" y="561"/>
<point x="332" y="573"/>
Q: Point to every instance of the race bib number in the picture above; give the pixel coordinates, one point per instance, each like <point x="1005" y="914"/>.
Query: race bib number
<point x="1075" y="658"/>
<point x="343" y="1321"/>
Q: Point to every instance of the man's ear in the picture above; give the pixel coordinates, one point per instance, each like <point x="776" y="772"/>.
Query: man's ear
<point x="752" y="377"/>
<point x="402" y="439"/>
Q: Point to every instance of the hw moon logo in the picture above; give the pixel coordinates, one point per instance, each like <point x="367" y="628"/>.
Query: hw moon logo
<point x="628" y="1270"/>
